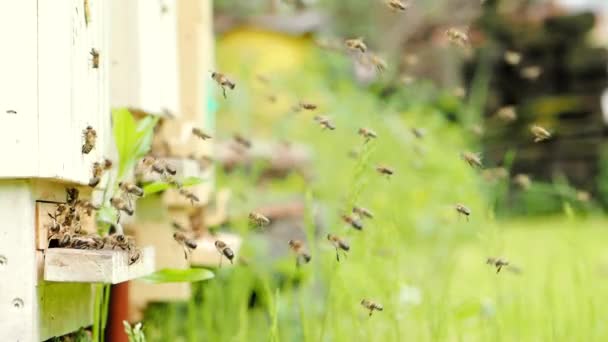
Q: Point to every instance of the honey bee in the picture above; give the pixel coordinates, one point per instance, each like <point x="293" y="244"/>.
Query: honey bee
<point x="398" y="5"/>
<point x="94" y="58"/>
<point x="539" y="133"/>
<point x="121" y="241"/>
<point x="199" y="133"/>
<point x="499" y="263"/>
<point x="107" y="164"/>
<point x="71" y="196"/>
<point x="523" y="181"/>
<point x="189" y="195"/>
<point x="307" y="106"/>
<point x="86" y="242"/>
<point x="531" y="73"/>
<point x="325" y="122"/>
<point x="154" y="165"/>
<point x="367" y="133"/>
<point x="371" y="306"/>
<point x="241" y="140"/>
<point x="339" y="244"/>
<point x="54" y="228"/>
<point x="378" y="62"/>
<point x="134" y="256"/>
<point x="170" y="169"/>
<point x="363" y="212"/>
<point x="97" y="173"/>
<point x="457" y="37"/>
<point x="385" y="170"/>
<point x="259" y="219"/>
<point x="131" y="189"/>
<point x="356" y="44"/>
<point x="224" y="251"/>
<point x="507" y="114"/>
<point x="121" y="205"/>
<point x="353" y="222"/>
<point x="87" y="206"/>
<point x="418" y="132"/>
<point x="512" y="57"/>
<point x="299" y="248"/>
<point x="222" y="81"/>
<point x="583" y="196"/>
<point x="87" y="12"/>
<point x="188" y="244"/>
<point x="90" y="136"/>
<point x="473" y="159"/>
<point x="462" y="210"/>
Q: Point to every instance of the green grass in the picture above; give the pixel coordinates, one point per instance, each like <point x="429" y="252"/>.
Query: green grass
<point x="419" y="259"/>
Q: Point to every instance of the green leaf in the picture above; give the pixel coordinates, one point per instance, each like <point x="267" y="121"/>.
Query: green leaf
<point x="159" y="186"/>
<point x="144" y="135"/>
<point x="124" y="129"/>
<point x="106" y="214"/>
<point x="171" y="275"/>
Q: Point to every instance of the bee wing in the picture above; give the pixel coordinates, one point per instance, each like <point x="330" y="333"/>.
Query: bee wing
<point x="514" y="269"/>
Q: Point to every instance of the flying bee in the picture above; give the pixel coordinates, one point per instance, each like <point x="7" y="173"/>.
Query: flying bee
<point x="499" y="263"/>
<point x="371" y="306"/>
<point x="507" y="114"/>
<point x="299" y="248"/>
<point x="531" y="73"/>
<point x="457" y="37"/>
<point x="131" y="189"/>
<point x="172" y="181"/>
<point x="121" y="205"/>
<point x="418" y="132"/>
<point x="462" y="210"/>
<point x="135" y="255"/>
<point x="539" y="133"/>
<point x="385" y="170"/>
<point x="222" y="81"/>
<point x="149" y="163"/>
<point x="378" y="62"/>
<point x="367" y="133"/>
<point x="363" y="212"/>
<point x="94" y="58"/>
<point x="339" y="244"/>
<point x="224" y="251"/>
<point x="90" y="136"/>
<point x="188" y="244"/>
<point x="170" y="168"/>
<point x="307" y="106"/>
<point x="523" y="181"/>
<point x="189" y="195"/>
<point x="199" y="133"/>
<point x="259" y="219"/>
<point x="398" y="5"/>
<point x="473" y="159"/>
<point x="325" y="122"/>
<point x="97" y="173"/>
<point x="512" y="57"/>
<point x="356" y="44"/>
<point x="352" y="221"/>
<point x="241" y="140"/>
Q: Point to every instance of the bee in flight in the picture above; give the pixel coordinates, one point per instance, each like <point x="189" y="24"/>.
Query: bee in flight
<point x="473" y="159"/>
<point x="222" y="81"/>
<point x="356" y="44"/>
<point x="307" y="106"/>
<point x="189" y="195"/>
<point x="398" y="5"/>
<point x="371" y="306"/>
<point x="512" y="57"/>
<point x="462" y="210"/>
<point x="507" y="114"/>
<point x="259" y="219"/>
<point x="339" y="244"/>
<point x="302" y="254"/>
<point x="378" y="62"/>
<point x="242" y="141"/>
<point x="187" y="244"/>
<point x="363" y="212"/>
<point x="325" y="122"/>
<point x="367" y="133"/>
<point x="499" y="263"/>
<point x="385" y="170"/>
<point x="458" y="37"/>
<point x="540" y="134"/>
<point x="90" y="137"/>
<point x="224" y="251"/>
<point x="199" y="133"/>
<point x="353" y="222"/>
<point x="121" y="205"/>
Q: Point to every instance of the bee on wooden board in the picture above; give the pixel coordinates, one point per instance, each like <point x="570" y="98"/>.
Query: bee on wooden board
<point x="199" y="133"/>
<point x="356" y="44"/>
<point x="302" y="254"/>
<point x="371" y="306"/>
<point x="462" y="210"/>
<point x="385" y="170"/>
<point x="222" y="81"/>
<point x="90" y="137"/>
<point x="398" y="5"/>
<point x="363" y="212"/>
<point x="258" y="219"/>
<point x="540" y="134"/>
<point x="353" y="221"/>
<point x="325" y="122"/>
<point x="224" y="251"/>
<point x="367" y="133"/>
<point x="473" y="159"/>
<point x="94" y="58"/>
<point x="187" y="244"/>
<point x="339" y="244"/>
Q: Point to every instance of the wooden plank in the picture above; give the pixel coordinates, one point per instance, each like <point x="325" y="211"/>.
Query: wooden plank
<point x="18" y="300"/>
<point x="95" y="266"/>
<point x="64" y="308"/>
<point x="207" y="255"/>
<point x="168" y="55"/>
<point x="19" y="88"/>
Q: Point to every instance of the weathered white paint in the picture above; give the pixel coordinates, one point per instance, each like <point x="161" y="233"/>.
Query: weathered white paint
<point x="95" y="266"/>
